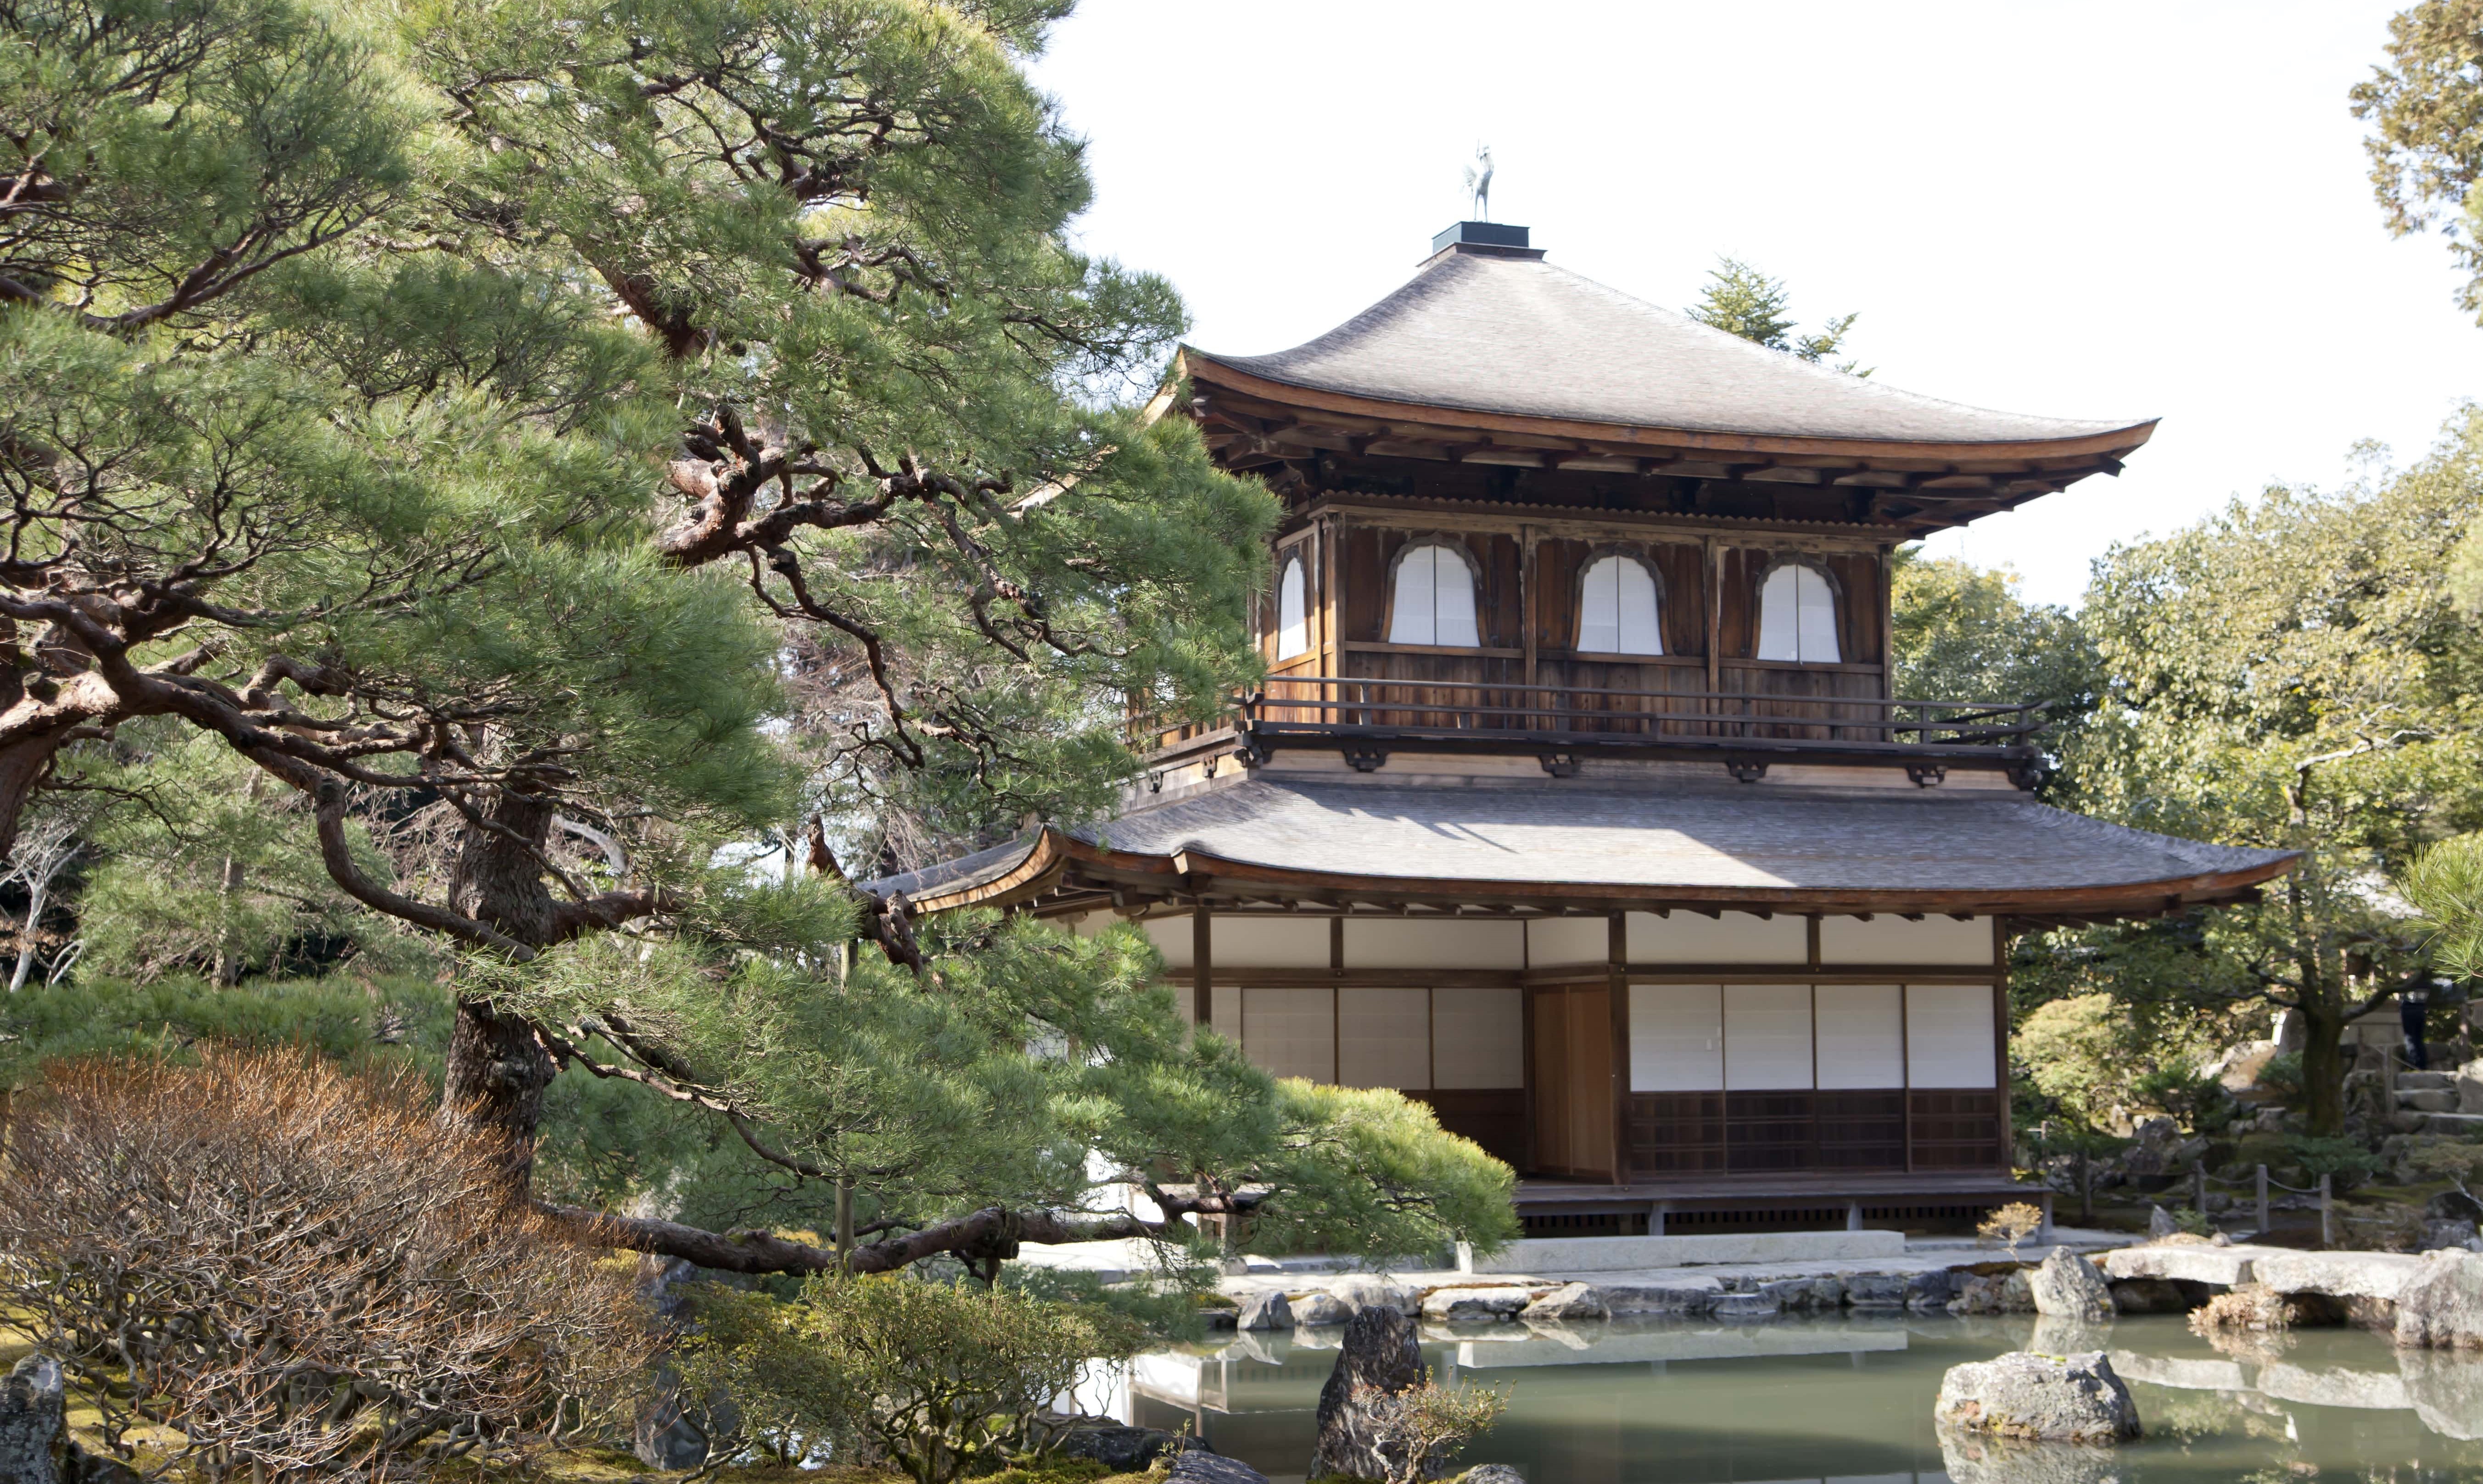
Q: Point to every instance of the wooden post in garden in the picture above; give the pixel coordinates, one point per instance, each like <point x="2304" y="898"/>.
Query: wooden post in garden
<point x="2262" y="1201"/>
<point x="2324" y="1205"/>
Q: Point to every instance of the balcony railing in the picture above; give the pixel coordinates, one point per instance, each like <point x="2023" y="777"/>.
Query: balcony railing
<point x="1299" y="710"/>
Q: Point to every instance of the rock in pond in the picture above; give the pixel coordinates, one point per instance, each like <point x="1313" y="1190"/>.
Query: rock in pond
<point x="1569" y="1301"/>
<point x="1266" y="1311"/>
<point x="1318" y="1306"/>
<point x="1382" y="1353"/>
<point x="1471" y="1305"/>
<point x="2440" y="1306"/>
<point x="2073" y="1398"/>
<point x="2160" y="1223"/>
<point x="2067" y="1286"/>
<point x="1490" y="1474"/>
<point x="1200" y="1467"/>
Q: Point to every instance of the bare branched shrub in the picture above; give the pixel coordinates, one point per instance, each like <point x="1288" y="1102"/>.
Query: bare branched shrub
<point x="297" y="1269"/>
<point x="1419" y="1429"/>
<point x="2012" y="1224"/>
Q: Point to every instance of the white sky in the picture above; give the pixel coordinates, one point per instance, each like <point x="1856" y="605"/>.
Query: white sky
<point x="2083" y="210"/>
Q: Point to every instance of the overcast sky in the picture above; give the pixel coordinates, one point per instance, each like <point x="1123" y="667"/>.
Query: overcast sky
<point x="2083" y="210"/>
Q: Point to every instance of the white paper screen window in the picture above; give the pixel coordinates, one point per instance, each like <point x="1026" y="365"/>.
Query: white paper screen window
<point x="1676" y="1038"/>
<point x="1766" y="1036"/>
<point x="1477" y="1038"/>
<point x="1617" y="608"/>
<point x="1291" y="1033"/>
<point x="1383" y="1037"/>
<point x="1948" y="1035"/>
<point x="1861" y="1035"/>
<point x="1798" y="617"/>
<point x="1435" y="600"/>
<point x="1292" y="609"/>
<point x="1228" y="1010"/>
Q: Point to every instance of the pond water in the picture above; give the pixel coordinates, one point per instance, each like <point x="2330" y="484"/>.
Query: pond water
<point x="1849" y="1400"/>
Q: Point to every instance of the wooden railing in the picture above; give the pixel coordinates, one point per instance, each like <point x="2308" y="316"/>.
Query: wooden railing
<point x="1349" y="704"/>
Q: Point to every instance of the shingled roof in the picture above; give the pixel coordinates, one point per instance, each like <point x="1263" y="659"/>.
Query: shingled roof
<point x="1783" y="846"/>
<point x="1500" y="332"/>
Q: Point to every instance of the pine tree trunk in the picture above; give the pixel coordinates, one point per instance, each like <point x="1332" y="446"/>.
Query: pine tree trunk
<point x="2323" y="1070"/>
<point x="497" y="1069"/>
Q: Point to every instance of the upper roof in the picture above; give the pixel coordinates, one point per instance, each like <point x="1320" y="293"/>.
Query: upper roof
<point x="1787" y="847"/>
<point x="1501" y="332"/>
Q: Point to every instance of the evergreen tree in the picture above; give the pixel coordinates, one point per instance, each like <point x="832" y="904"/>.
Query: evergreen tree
<point x="344" y="356"/>
<point x="1740" y="299"/>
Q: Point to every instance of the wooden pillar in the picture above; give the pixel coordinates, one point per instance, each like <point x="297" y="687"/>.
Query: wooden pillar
<point x="1527" y="616"/>
<point x="1201" y="965"/>
<point x="2000" y="1038"/>
<point x="1715" y="613"/>
<point x="1889" y="635"/>
<point x="1616" y="954"/>
<point x="1331" y="648"/>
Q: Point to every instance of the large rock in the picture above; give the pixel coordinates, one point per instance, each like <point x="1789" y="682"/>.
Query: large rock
<point x="2073" y="1398"/>
<point x="2160" y="1223"/>
<point x="1380" y="1353"/>
<point x="32" y="1418"/>
<point x="1930" y="1293"/>
<point x="1569" y="1301"/>
<point x="1122" y="1449"/>
<point x="1267" y="1310"/>
<point x="1490" y="1474"/>
<point x="1200" y="1467"/>
<point x="2440" y="1306"/>
<point x="2067" y="1286"/>
<point x="2191" y="1261"/>
<point x="1453" y="1305"/>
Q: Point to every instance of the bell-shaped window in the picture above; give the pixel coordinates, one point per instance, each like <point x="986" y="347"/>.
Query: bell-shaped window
<point x="1798" y="616"/>
<point x="1617" y="608"/>
<point x="1292" y="619"/>
<point x="1435" y="600"/>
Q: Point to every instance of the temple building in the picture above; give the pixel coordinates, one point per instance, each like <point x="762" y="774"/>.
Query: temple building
<point x="1578" y="802"/>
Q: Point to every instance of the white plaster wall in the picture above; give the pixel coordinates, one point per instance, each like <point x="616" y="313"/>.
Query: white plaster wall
<point x="1268" y="943"/>
<point x="1886" y="940"/>
<point x="1766" y="1037"/>
<point x="1861" y="1035"/>
<point x="1735" y="938"/>
<point x="1422" y="943"/>
<point x="1676" y="1038"/>
<point x="1291" y="1032"/>
<point x="1228" y="1008"/>
<point x="1171" y="937"/>
<point x="1384" y="1037"/>
<point x="1557" y="940"/>
<point x="1086" y="924"/>
<point x="1948" y="1035"/>
<point x="1477" y="1038"/>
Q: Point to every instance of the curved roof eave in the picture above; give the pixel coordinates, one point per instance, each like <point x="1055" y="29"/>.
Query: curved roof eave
<point x="2113" y="441"/>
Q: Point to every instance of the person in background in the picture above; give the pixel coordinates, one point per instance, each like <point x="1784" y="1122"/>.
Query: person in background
<point x="2413" y="1013"/>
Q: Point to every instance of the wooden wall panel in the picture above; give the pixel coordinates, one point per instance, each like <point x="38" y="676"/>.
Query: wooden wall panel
<point x="1857" y="609"/>
<point x="1493" y="1118"/>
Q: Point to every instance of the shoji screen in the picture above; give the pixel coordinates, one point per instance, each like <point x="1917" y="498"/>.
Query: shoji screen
<point x="1949" y="1036"/>
<point x="1766" y="1037"/>
<point x="1383" y="1037"/>
<point x="1861" y="1035"/>
<point x="1676" y="1038"/>
<point x="1477" y="1038"/>
<point x="1291" y="1033"/>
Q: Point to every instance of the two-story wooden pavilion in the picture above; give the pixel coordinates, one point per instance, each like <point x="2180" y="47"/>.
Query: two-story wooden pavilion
<point x="1577" y="802"/>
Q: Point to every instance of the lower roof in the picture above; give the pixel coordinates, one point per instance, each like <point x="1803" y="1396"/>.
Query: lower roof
<point x="1586" y="845"/>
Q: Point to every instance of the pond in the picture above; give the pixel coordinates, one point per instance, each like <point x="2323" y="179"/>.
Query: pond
<point x="1849" y="1400"/>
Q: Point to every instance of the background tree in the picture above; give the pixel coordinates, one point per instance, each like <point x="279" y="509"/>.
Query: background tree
<point x="1962" y="633"/>
<point x="2292" y="673"/>
<point x="1740" y="299"/>
<point x="2425" y="107"/>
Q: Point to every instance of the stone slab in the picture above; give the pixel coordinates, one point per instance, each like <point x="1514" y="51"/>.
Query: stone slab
<point x="2378" y="1275"/>
<point x="1614" y="1254"/>
<point x="2188" y="1262"/>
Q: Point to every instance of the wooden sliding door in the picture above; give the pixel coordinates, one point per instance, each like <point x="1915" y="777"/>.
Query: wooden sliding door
<point x="1570" y="1079"/>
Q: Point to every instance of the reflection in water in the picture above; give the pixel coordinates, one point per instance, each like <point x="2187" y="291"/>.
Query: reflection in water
<point x="1849" y="1399"/>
